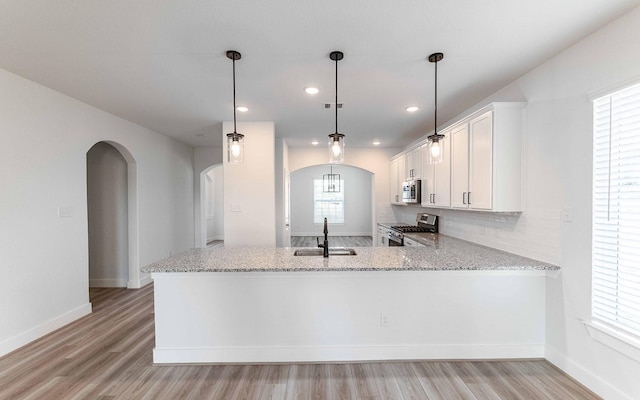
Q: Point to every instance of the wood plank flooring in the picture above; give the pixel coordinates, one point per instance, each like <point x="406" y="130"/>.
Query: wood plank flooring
<point x="334" y="241"/>
<point x="107" y="355"/>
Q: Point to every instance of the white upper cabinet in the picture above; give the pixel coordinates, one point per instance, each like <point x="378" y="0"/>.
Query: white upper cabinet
<point x="481" y="167"/>
<point x="436" y="178"/>
<point x="460" y="166"/>
<point x="486" y="159"/>
<point x="393" y="182"/>
<point x="413" y="164"/>
<point x="396" y="178"/>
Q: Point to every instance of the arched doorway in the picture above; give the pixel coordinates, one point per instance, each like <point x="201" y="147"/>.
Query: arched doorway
<point x="212" y="206"/>
<point x="112" y="217"/>
<point x="351" y="211"/>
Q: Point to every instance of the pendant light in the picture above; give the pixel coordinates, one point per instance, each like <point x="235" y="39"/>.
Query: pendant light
<point x="331" y="182"/>
<point x="235" y="140"/>
<point x="435" y="147"/>
<point x="336" y="140"/>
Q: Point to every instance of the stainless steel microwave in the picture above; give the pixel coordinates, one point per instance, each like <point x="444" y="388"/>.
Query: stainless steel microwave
<point x="411" y="191"/>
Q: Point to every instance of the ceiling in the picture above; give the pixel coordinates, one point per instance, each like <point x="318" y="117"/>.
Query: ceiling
<point x="162" y="63"/>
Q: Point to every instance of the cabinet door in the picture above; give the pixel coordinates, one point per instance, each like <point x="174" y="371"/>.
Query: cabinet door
<point x="402" y="175"/>
<point x="459" y="166"/>
<point x="481" y="162"/>
<point x="393" y="181"/>
<point x="416" y="163"/>
<point x="428" y="182"/>
<point x="442" y="175"/>
<point x="408" y="166"/>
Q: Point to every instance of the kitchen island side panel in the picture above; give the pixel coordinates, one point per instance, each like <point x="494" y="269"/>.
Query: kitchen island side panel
<point x="348" y="316"/>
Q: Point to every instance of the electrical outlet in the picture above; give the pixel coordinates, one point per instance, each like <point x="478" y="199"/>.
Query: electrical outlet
<point x="385" y="319"/>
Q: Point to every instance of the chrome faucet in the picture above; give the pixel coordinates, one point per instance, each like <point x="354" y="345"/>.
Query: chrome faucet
<point x="325" y="244"/>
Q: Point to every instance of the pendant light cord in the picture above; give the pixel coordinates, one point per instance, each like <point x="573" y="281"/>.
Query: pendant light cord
<point x="336" y="95"/>
<point x="435" y="119"/>
<point x="234" y="95"/>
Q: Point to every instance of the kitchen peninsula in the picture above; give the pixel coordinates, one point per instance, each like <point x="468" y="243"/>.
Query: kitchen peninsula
<point x="453" y="299"/>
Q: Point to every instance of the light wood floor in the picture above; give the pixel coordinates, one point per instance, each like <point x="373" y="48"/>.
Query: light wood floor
<point x="334" y="241"/>
<point x="107" y="355"/>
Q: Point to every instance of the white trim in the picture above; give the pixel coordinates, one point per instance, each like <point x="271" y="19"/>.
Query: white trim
<point x="606" y="91"/>
<point x="108" y="283"/>
<point x="197" y="355"/>
<point x="616" y="339"/>
<point x="137" y="284"/>
<point x="584" y="376"/>
<point x="26" y="337"/>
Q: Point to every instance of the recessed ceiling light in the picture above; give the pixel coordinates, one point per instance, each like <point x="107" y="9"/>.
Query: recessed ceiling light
<point x="315" y="143"/>
<point x="412" y="108"/>
<point x="242" y="108"/>
<point x="376" y="142"/>
<point x="311" y="90"/>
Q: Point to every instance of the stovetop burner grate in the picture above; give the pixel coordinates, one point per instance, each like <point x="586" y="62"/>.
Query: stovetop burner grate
<point x="410" y="228"/>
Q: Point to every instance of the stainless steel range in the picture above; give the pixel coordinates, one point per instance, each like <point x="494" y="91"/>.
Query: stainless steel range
<point x="425" y="223"/>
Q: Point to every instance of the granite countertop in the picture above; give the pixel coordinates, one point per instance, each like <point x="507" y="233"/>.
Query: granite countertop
<point x="443" y="254"/>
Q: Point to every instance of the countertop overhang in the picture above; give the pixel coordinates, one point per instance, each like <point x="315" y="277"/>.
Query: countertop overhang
<point x="444" y="254"/>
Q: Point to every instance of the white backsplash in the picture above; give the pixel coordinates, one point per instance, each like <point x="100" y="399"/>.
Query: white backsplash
<point x="533" y="233"/>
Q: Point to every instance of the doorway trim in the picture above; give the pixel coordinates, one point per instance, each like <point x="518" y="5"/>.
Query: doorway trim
<point x="201" y="212"/>
<point x="136" y="280"/>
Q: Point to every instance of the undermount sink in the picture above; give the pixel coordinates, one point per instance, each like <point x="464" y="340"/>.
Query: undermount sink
<point x="333" y="251"/>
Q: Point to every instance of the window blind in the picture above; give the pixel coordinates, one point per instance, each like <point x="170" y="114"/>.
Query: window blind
<point x="328" y="204"/>
<point x="616" y="210"/>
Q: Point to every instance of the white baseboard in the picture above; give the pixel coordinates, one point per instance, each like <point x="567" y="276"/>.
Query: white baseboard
<point x="342" y="354"/>
<point x="137" y="284"/>
<point x="24" y="338"/>
<point x="215" y="237"/>
<point x="584" y="376"/>
<point x="108" y="283"/>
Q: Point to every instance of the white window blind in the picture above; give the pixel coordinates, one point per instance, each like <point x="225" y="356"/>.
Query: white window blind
<point x="616" y="210"/>
<point x="329" y="205"/>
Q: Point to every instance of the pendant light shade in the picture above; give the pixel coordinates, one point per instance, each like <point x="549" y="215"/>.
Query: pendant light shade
<point x="336" y="140"/>
<point x="235" y="140"/>
<point x="435" y="147"/>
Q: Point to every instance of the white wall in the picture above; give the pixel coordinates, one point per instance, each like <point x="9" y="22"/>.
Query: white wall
<point x="557" y="174"/>
<point x="45" y="137"/>
<point x="249" y="188"/>
<point x="373" y="160"/>
<point x="108" y="217"/>
<point x="357" y="201"/>
<point x="203" y="159"/>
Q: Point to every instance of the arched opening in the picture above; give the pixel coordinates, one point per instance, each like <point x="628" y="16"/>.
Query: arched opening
<point x="112" y="217"/>
<point x="350" y="212"/>
<point x="212" y="206"/>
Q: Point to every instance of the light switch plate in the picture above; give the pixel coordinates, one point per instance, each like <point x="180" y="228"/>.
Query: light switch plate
<point x="65" y="212"/>
<point x="567" y="214"/>
<point x="236" y="208"/>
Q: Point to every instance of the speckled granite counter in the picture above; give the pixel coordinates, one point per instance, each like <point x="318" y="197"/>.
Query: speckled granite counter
<point x="443" y="253"/>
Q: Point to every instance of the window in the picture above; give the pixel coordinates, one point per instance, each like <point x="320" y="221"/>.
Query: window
<point x="329" y="205"/>
<point x="616" y="210"/>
